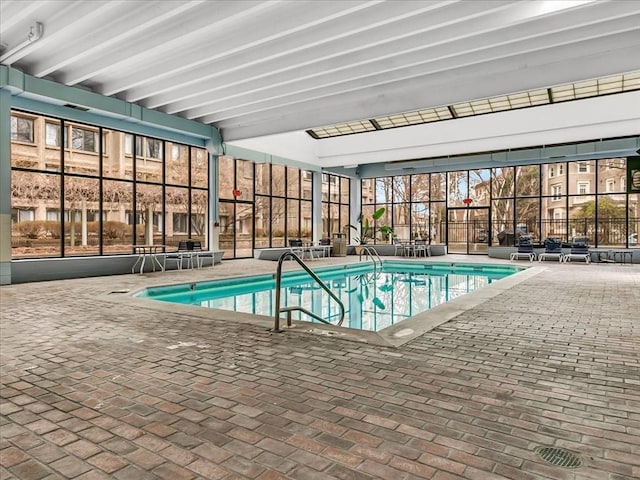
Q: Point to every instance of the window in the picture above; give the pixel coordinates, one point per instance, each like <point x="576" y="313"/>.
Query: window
<point x="560" y="169"/>
<point x="154" y="148"/>
<point x="21" y="129"/>
<point x="52" y="134"/>
<point x="23" y="215"/>
<point x="611" y="185"/>
<point x="558" y="214"/>
<point x="180" y="223"/>
<point x="583" y="167"/>
<point x="53" y="214"/>
<point x="551" y="172"/>
<point x="583" y="188"/>
<point x="128" y="144"/>
<point x="557" y="192"/>
<point x="83" y="139"/>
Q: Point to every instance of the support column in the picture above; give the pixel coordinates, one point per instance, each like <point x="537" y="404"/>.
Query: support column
<point x="214" y="204"/>
<point x="355" y="205"/>
<point x="316" y="201"/>
<point x="5" y="187"/>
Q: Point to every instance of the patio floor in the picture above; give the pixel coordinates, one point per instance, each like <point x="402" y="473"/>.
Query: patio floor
<point x="97" y="385"/>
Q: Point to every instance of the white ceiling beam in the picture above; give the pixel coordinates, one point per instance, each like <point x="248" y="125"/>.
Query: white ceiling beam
<point x="149" y="47"/>
<point x="496" y="29"/>
<point x="301" y="47"/>
<point x="113" y="33"/>
<point x="213" y="112"/>
<point x="228" y="38"/>
<point x="442" y="89"/>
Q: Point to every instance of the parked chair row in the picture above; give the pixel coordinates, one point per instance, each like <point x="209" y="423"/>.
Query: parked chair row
<point x="552" y="251"/>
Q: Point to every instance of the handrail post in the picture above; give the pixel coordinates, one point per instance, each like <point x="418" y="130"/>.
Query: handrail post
<point x="276" y="325"/>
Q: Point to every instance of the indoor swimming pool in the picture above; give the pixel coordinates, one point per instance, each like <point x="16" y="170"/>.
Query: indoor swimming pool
<point x="374" y="296"/>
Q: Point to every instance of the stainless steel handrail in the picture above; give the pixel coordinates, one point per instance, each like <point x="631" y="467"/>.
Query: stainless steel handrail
<point x="370" y="253"/>
<point x="276" y="326"/>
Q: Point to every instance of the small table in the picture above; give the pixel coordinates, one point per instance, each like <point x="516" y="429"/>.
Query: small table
<point x="612" y="256"/>
<point x="145" y="251"/>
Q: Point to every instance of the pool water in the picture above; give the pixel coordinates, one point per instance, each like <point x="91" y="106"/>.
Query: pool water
<point x="374" y="297"/>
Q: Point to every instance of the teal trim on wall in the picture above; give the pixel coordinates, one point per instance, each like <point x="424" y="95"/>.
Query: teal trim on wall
<point x="49" y="98"/>
<point x="259" y="157"/>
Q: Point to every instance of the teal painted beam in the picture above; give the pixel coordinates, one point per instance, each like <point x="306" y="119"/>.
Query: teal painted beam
<point x="48" y="97"/>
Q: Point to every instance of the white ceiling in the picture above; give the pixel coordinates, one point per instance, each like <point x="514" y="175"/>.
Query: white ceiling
<point x="254" y="68"/>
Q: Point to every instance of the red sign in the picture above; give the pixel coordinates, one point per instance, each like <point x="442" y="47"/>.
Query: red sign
<point x="467" y="201"/>
<point x="236" y="192"/>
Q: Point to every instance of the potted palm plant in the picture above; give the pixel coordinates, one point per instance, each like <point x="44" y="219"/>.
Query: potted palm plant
<point x="366" y="230"/>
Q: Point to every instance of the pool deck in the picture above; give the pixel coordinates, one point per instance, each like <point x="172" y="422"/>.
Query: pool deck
<point x="99" y="385"/>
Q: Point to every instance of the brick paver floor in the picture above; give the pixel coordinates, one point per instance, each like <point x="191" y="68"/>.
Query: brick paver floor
<point x="96" y="387"/>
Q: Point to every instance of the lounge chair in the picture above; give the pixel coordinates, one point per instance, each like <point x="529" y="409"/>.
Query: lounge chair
<point x="552" y="250"/>
<point x="525" y="250"/>
<point x="579" y="251"/>
<point x="399" y="247"/>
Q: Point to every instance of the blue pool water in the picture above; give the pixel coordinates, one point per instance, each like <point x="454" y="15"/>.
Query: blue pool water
<point x="374" y="297"/>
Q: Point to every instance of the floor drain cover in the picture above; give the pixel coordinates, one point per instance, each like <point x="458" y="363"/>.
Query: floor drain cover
<point x="559" y="457"/>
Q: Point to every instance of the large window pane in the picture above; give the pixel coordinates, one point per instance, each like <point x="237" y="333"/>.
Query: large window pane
<point x="612" y="175"/>
<point x="35" y="215"/>
<point x="368" y="190"/>
<point x="177" y="165"/>
<point x="438" y="190"/>
<point x="244" y="230"/>
<point x="582" y="218"/>
<point x="502" y="222"/>
<point x="307" y="184"/>
<point x="278" y="186"/>
<point x="582" y="178"/>
<point x="148" y="222"/>
<point x="344" y="189"/>
<point x="384" y="190"/>
<point x="612" y="221"/>
<point x="263" y="178"/>
<point x="263" y="222"/>
<point x="226" y="180"/>
<point x="528" y="220"/>
<point x="528" y="181"/>
<point x="401" y="187"/>
<point x="277" y="222"/>
<point x="293" y="220"/>
<point x="117" y="232"/>
<point x="479" y="187"/>
<point x="438" y="222"/>
<point x="115" y="162"/>
<point x="82" y="218"/>
<point x="457" y="188"/>
<point x="420" y="188"/>
<point x="502" y="182"/>
<point x="227" y="229"/>
<point x="149" y="159"/>
<point x="244" y="180"/>
<point x="176" y="225"/>
<point x="293" y="182"/>
<point x="199" y="216"/>
<point x="633" y="213"/>
<point x="419" y="221"/>
<point x="199" y="167"/>
<point x="305" y="217"/>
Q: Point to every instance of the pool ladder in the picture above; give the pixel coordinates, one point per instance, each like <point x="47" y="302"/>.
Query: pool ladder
<point x="288" y="310"/>
<point x="370" y="253"/>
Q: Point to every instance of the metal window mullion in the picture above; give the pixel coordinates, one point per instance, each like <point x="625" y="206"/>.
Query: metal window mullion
<point x="62" y="202"/>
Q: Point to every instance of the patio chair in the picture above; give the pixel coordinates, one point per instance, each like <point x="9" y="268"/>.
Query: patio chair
<point x="579" y="251"/>
<point x="295" y="245"/>
<point x="178" y="256"/>
<point x="420" y="248"/>
<point x="201" y="254"/>
<point x="552" y="250"/>
<point x="399" y="247"/>
<point x="525" y="250"/>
